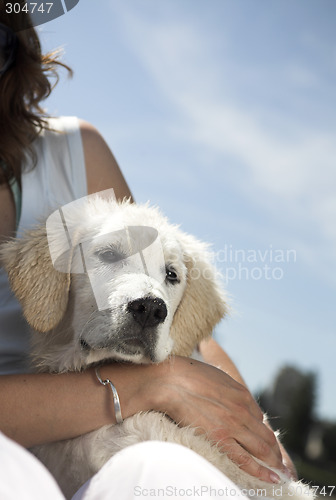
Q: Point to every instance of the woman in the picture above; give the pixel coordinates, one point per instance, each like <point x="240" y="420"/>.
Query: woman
<point x="51" y="169"/>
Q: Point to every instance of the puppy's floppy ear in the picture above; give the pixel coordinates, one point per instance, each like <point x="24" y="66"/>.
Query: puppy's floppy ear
<point x="42" y="291"/>
<point x="203" y="303"/>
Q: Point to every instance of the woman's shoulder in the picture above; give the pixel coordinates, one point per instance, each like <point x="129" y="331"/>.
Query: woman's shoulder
<point x="71" y="125"/>
<point x="102" y="169"/>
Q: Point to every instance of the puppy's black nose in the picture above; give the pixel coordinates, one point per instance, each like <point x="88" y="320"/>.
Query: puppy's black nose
<point x="148" y="311"/>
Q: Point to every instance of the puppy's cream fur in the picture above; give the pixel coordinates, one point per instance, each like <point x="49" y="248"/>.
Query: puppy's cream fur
<point x="62" y="312"/>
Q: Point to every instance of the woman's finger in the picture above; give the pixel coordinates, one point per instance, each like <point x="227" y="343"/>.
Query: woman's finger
<point x="255" y="444"/>
<point x="247" y="463"/>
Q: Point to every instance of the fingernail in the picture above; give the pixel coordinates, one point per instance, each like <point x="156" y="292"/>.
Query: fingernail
<point x="275" y="478"/>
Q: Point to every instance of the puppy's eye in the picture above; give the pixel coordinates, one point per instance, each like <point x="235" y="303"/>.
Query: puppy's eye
<point x="171" y="275"/>
<point x="110" y="256"/>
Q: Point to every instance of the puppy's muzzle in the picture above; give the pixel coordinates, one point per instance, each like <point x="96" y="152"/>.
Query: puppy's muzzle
<point x="136" y="336"/>
<point x="148" y="311"/>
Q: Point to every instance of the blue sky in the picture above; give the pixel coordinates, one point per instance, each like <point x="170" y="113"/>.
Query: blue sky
<point x="222" y="112"/>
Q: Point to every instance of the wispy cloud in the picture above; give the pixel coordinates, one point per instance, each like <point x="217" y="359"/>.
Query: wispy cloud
<point x="295" y="166"/>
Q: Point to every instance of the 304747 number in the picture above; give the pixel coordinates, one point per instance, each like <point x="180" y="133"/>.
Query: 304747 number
<point x="29" y="7"/>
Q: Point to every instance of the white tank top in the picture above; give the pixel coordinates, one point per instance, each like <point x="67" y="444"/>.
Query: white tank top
<point x="58" y="178"/>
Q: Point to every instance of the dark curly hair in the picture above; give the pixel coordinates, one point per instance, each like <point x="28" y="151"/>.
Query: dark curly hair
<point x="22" y="88"/>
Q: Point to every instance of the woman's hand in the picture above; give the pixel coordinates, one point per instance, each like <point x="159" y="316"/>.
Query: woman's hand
<point x="200" y="395"/>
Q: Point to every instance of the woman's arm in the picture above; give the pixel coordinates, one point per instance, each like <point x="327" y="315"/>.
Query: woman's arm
<point x="213" y="354"/>
<point x="7" y="211"/>
<point x="41" y="408"/>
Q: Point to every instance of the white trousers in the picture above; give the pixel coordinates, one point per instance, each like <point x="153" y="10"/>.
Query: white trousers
<point x="150" y="470"/>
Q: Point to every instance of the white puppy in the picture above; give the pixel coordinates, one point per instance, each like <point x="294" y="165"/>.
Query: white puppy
<point x="145" y="291"/>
